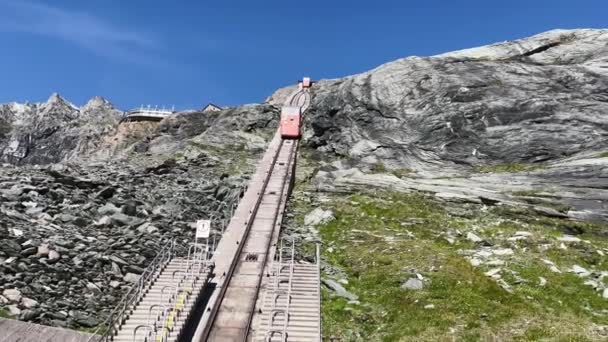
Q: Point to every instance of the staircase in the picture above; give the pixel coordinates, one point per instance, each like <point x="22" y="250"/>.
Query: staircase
<point x="291" y="306"/>
<point x="158" y="306"/>
<point x="164" y="307"/>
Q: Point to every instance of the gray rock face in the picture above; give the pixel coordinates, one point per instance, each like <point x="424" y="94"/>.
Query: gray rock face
<point x="49" y="132"/>
<point x="532" y="100"/>
<point x="432" y="123"/>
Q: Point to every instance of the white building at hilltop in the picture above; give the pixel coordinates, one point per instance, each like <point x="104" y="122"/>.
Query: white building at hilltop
<point x="211" y="108"/>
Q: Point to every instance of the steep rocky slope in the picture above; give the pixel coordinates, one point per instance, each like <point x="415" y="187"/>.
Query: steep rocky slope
<point x="529" y="101"/>
<point x="87" y="203"/>
<point x="536" y="105"/>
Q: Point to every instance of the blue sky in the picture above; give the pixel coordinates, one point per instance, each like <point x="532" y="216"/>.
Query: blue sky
<point x="190" y="52"/>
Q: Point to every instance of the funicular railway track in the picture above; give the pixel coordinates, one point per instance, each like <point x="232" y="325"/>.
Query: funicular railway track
<point x="239" y="308"/>
<point x="247" y="291"/>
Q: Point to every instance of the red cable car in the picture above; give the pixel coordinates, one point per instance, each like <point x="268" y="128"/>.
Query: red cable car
<point x="290" y="122"/>
<point x="306" y="82"/>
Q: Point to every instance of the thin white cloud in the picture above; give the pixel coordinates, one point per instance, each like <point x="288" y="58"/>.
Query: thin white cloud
<point x="80" y="28"/>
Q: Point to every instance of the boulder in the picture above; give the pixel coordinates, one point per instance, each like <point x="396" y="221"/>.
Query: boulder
<point x="104" y="221"/>
<point x="13" y="295"/>
<point x="473" y="237"/>
<point x="413" y="284"/>
<point x="93" y="288"/>
<point x="106" y="193"/>
<point x="29" y="303"/>
<point x="14" y="310"/>
<point x="131" y="278"/>
<point x="43" y="250"/>
<point x="125" y="220"/>
<point x="10" y="247"/>
<point x="108" y="209"/>
<point x="29" y="314"/>
<point x="318" y="216"/>
<point x="54" y="256"/>
<point x="84" y="319"/>
<point x="339" y="289"/>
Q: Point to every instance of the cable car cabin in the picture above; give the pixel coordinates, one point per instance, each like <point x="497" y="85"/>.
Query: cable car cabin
<point x="290" y="122"/>
<point x="306" y="82"/>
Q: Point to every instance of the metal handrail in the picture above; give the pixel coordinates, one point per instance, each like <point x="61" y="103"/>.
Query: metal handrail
<point x="196" y="254"/>
<point x="290" y="287"/>
<point x="149" y="327"/>
<point x="192" y="251"/>
<point x="134" y="294"/>
<point x="163" y="306"/>
<point x="278" y="292"/>
<point x="270" y="335"/>
<point x="318" y="252"/>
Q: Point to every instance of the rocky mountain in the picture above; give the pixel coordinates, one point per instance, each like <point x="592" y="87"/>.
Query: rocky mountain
<point x="537" y="104"/>
<point x="472" y="183"/>
<point x="528" y="101"/>
<point x="49" y="132"/>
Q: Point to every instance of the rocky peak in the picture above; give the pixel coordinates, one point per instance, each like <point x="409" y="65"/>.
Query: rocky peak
<point x="57" y="100"/>
<point x="53" y="130"/>
<point x="98" y="102"/>
<point x="56" y="105"/>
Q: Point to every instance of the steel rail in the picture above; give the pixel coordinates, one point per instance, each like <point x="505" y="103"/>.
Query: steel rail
<point x="288" y="175"/>
<point x="286" y="151"/>
<point x="232" y="268"/>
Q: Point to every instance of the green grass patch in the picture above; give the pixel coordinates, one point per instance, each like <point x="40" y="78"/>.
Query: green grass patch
<point x="379" y="167"/>
<point x="603" y="155"/>
<point x="507" y="168"/>
<point x="529" y="193"/>
<point x="520" y="215"/>
<point x="4" y="313"/>
<point x="402" y="173"/>
<point x="382" y="239"/>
